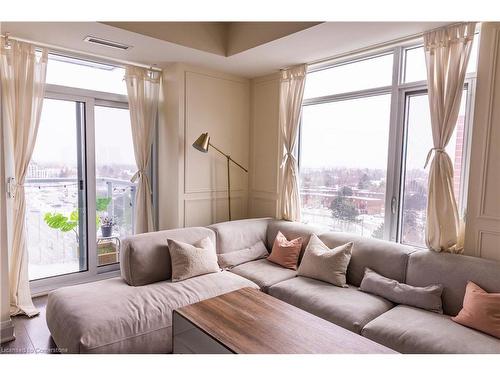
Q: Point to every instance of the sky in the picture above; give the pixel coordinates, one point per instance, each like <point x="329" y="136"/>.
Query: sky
<point x="354" y="133"/>
<point x="57" y="134"/>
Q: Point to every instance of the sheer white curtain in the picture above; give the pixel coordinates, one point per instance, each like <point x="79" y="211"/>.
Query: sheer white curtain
<point x="291" y="93"/>
<point x="23" y="73"/>
<point x="447" y="52"/>
<point x="143" y="87"/>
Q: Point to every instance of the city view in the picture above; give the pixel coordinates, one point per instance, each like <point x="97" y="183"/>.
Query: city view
<point x="353" y="199"/>
<point x="54" y="190"/>
<point x="342" y="199"/>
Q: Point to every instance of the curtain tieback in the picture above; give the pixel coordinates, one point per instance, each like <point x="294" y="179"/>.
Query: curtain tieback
<point x="137" y="175"/>
<point x="288" y="155"/>
<point x="140" y="173"/>
<point x="14" y="190"/>
<point x="429" y="154"/>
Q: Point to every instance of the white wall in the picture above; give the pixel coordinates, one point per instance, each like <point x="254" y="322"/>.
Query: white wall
<point x="483" y="207"/>
<point x="264" y="147"/>
<point x="192" y="185"/>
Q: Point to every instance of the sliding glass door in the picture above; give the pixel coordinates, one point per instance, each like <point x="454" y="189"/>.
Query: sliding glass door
<point x="55" y="192"/>
<point x="80" y="198"/>
<point x="114" y="167"/>
<point x="79" y="193"/>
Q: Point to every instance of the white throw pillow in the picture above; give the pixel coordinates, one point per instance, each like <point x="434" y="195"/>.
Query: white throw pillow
<point x="325" y="264"/>
<point x="192" y="260"/>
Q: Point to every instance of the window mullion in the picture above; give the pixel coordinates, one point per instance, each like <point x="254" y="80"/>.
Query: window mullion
<point x="395" y="152"/>
<point x="91" y="185"/>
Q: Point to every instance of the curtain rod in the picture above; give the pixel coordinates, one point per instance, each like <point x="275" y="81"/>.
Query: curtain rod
<point x="80" y="54"/>
<point x="372" y="48"/>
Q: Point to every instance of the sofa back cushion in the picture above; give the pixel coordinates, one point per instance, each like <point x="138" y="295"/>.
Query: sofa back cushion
<point x="235" y="258"/>
<point x="144" y="258"/>
<point x="387" y="258"/>
<point x="239" y="234"/>
<point x="291" y="230"/>
<point x="453" y="272"/>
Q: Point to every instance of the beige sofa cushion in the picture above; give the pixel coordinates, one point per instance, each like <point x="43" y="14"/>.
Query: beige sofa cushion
<point x="144" y="258"/>
<point x="453" y="271"/>
<point x="384" y="257"/>
<point x="235" y="258"/>
<point x="239" y="234"/>
<point x="263" y="273"/>
<point x="325" y="264"/>
<point x="346" y="307"/>
<point x="112" y="317"/>
<point x="415" y="331"/>
<point x="192" y="260"/>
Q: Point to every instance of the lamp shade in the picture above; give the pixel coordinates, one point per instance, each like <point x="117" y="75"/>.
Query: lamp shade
<point x="202" y="143"/>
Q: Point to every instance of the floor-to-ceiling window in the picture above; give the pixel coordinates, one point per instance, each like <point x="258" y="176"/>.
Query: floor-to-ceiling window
<point x="364" y="136"/>
<point x="55" y="200"/>
<point x="80" y="200"/>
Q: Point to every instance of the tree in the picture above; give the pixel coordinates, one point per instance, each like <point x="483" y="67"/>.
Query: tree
<point x="364" y="182"/>
<point x="345" y="191"/>
<point x="343" y="208"/>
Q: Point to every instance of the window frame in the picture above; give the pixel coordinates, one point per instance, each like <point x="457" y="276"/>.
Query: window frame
<point x="90" y="99"/>
<point x="397" y="128"/>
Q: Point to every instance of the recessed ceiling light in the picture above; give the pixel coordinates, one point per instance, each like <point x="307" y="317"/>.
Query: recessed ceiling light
<point x="106" y="43"/>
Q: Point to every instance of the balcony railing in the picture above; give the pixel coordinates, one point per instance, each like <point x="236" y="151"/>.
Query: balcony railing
<point x="52" y="251"/>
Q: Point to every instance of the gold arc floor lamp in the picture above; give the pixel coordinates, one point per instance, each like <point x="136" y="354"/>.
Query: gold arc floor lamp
<point x="202" y="144"/>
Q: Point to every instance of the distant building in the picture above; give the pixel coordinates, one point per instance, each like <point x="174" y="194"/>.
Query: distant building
<point x="323" y="197"/>
<point x="36" y="171"/>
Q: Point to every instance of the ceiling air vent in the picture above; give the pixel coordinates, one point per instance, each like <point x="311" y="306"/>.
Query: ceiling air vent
<point x="106" y="43"/>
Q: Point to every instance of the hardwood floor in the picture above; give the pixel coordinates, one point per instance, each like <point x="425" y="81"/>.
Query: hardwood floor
<point x="32" y="334"/>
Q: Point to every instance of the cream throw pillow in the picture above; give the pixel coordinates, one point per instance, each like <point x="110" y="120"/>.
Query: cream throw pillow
<point x="325" y="264"/>
<point x="192" y="260"/>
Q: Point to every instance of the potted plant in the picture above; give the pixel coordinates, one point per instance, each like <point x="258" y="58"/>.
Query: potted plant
<point x="68" y="223"/>
<point x="107" y="224"/>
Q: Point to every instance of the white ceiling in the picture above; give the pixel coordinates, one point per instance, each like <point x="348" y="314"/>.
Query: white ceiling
<point x="321" y="41"/>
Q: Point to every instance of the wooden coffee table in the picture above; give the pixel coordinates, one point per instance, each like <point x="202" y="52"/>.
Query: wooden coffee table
<point x="248" y="321"/>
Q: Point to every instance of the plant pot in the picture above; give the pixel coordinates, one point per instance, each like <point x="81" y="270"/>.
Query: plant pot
<point x="106" y="231"/>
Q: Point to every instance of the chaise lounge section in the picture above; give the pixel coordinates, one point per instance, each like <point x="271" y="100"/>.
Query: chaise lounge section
<point x="133" y="313"/>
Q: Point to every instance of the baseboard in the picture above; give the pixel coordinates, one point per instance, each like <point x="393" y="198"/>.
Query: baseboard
<point x="7" y="331"/>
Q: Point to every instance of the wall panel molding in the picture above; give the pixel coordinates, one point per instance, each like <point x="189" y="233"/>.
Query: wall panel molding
<point x="216" y="162"/>
<point x="193" y="186"/>
<point x="482" y="236"/>
<point x="489" y="123"/>
<point x="203" y="211"/>
<point x="264" y="180"/>
<point x="485" y="241"/>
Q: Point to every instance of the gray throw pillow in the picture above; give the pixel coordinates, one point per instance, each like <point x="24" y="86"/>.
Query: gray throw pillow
<point x="235" y="258"/>
<point x="192" y="260"/>
<point x="325" y="264"/>
<point x="427" y="298"/>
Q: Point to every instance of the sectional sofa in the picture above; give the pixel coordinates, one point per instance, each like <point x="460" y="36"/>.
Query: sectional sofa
<point x="133" y="313"/>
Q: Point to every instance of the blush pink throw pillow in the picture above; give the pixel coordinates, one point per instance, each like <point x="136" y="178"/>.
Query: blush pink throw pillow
<point x="285" y="253"/>
<point x="481" y="310"/>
